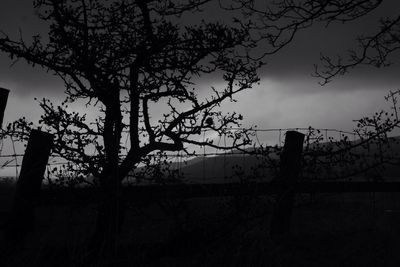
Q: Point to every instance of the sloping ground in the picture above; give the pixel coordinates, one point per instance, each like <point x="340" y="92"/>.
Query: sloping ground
<point x="222" y="169"/>
<point x="233" y="168"/>
<point x="228" y="168"/>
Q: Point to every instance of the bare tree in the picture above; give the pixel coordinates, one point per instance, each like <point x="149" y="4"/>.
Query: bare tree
<point x="125" y="57"/>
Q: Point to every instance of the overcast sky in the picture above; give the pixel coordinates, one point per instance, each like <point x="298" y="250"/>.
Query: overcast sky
<point x="287" y="97"/>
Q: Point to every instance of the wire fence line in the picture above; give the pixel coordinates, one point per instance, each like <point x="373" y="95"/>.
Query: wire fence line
<point x="275" y="138"/>
<point x="324" y="135"/>
<point x="261" y="137"/>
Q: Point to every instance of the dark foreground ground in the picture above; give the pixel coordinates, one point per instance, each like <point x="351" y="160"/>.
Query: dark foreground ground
<point x="360" y="229"/>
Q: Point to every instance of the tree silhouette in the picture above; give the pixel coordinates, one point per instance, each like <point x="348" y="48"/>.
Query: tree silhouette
<point x="373" y="50"/>
<point x="126" y="57"/>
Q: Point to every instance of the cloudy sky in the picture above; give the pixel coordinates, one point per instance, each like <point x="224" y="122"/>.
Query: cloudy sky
<point x="288" y="95"/>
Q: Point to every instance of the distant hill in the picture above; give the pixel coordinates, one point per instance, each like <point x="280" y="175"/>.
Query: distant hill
<point x="229" y="168"/>
<point x="234" y="166"/>
<point x="225" y="168"/>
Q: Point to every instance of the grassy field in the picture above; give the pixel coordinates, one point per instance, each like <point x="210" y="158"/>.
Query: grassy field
<point x="331" y="230"/>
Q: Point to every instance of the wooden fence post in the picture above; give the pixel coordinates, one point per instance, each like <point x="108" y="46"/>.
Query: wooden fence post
<point x="3" y="102"/>
<point x="289" y="171"/>
<point x="28" y="185"/>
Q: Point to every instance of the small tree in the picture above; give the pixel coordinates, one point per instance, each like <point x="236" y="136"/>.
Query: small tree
<point x="125" y="57"/>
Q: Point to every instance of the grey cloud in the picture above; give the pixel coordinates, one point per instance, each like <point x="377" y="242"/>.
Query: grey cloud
<point x="295" y="62"/>
<point x="26" y="81"/>
<point x="298" y="58"/>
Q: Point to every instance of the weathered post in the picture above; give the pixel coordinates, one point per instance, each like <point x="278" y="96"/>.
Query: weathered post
<point x="3" y="102"/>
<point x="289" y="171"/>
<point x="28" y="185"/>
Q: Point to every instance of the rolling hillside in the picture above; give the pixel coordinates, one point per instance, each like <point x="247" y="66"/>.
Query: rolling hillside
<point x="233" y="167"/>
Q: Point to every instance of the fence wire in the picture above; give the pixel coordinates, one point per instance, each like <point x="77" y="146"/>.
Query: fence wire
<point x="11" y="155"/>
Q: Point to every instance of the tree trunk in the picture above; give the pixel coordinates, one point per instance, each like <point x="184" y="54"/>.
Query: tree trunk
<point x="104" y="241"/>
